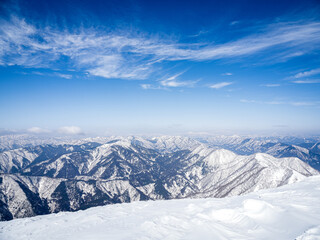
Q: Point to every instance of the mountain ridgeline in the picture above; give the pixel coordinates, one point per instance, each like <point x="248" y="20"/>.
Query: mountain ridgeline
<point x="61" y="176"/>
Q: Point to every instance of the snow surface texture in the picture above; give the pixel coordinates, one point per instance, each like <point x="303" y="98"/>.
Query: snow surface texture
<point x="288" y="212"/>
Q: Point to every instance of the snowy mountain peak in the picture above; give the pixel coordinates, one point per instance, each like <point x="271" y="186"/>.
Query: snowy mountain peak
<point x="218" y="157"/>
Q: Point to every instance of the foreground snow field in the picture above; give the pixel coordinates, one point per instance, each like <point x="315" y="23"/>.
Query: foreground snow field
<point x="288" y="212"/>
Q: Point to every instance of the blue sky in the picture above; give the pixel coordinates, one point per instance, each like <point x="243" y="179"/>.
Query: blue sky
<point x="160" y="67"/>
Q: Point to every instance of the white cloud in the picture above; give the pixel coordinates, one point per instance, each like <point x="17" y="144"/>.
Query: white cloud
<point x="132" y="56"/>
<point x="92" y="51"/>
<point x="285" y="35"/>
<point x="221" y="85"/>
<point x="226" y="74"/>
<point x="307" y="73"/>
<point x="70" y="130"/>
<point x="38" y="130"/>
<point x="150" y="86"/>
<point x="66" y="76"/>
<point x="307" y="81"/>
<point x="173" y="81"/>
<point x="146" y="86"/>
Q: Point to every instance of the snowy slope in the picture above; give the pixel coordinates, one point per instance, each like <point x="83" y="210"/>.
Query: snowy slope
<point x="289" y="212"/>
<point x="13" y="160"/>
<point x="221" y="173"/>
<point x="303" y="148"/>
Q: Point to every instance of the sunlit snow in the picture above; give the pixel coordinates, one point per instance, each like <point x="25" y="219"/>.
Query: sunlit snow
<point x="288" y="212"/>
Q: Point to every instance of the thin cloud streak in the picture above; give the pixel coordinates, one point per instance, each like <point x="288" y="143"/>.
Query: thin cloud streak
<point x="152" y="87"/>
<point x="306" y="81"/>
<point x="307" y="73"/>
<point x="220" y="85"/>
<point x="174" y="81"/>
<point x="66" y="76"/>
<point x="271" y="85"/>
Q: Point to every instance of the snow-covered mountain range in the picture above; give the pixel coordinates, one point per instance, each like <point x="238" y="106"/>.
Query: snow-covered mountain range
<point x="306" y="149"/>
<point x="53" y="177"/>
<point x="286" y="213"/>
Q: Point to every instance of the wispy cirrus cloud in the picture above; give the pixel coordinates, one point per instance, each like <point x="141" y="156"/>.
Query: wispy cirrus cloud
<point x="174" y="81"/>
<point x="134" y="56"/>
<point x="95" y="52"/>
<point x="307" y="73"/>
<point x="220" y="85"/>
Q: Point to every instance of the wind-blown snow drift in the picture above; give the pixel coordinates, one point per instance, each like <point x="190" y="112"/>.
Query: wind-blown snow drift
<point x="288" y="212"/>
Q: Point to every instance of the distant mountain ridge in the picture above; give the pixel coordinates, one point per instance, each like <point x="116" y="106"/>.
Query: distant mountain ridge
<point x="306" y="149"/>
<point x="66" y="177"/>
